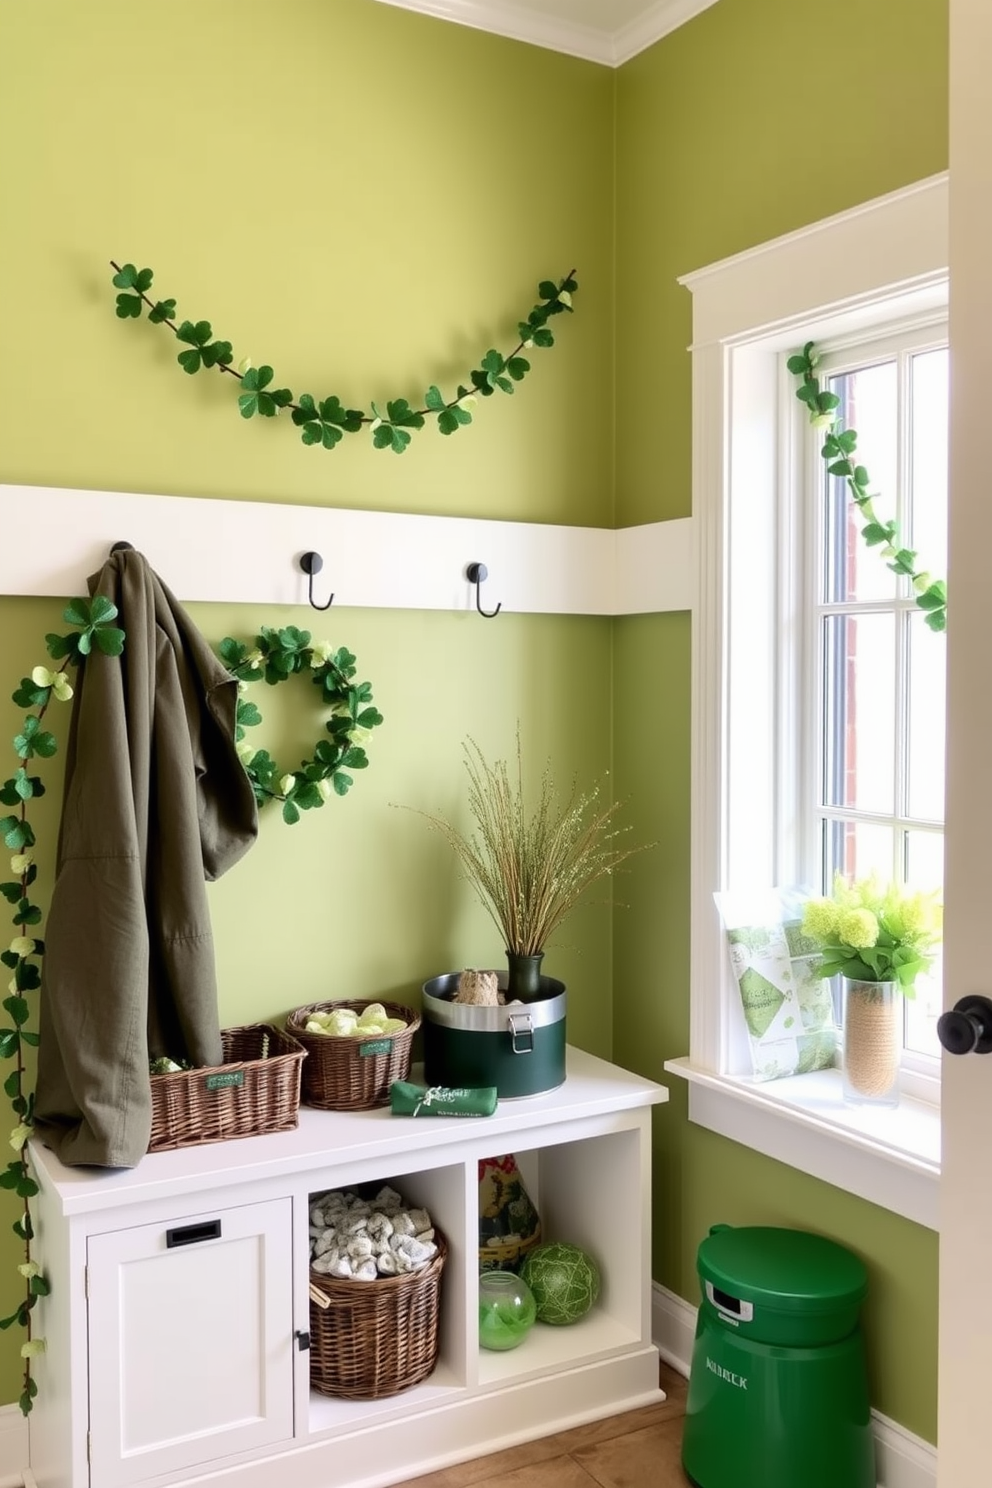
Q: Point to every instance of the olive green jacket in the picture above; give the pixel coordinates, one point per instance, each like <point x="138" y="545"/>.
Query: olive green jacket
<point x="156" y="801"/>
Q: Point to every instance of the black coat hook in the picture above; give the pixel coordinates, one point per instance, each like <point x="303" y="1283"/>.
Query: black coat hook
<point x="312" y="563"/>
<point x="120" y="547"/>
<point x="475" y="573"/>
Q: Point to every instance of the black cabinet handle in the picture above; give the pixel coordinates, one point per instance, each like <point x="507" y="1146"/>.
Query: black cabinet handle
<point x="967" y="1028"/>
<point x="193" y="1234"/>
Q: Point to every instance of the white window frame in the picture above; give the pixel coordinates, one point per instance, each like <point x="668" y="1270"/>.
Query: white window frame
<point x="919" y="1074"/>
<point x="882" y="262"/>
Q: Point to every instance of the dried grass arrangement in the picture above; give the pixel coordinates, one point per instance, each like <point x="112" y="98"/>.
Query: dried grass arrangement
<point x="530" y="868"/>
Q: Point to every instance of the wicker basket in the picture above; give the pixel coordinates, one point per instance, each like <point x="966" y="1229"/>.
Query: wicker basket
<point x="369" y="1339"/>
<point x="255" y="1090"/>
<point x="352" y="1074"/>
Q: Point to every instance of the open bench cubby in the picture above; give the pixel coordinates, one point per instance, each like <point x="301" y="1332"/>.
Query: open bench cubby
<point x="178" y="1320"/>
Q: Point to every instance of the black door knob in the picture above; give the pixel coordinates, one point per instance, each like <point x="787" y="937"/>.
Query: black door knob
<point x="967" y="1029"/>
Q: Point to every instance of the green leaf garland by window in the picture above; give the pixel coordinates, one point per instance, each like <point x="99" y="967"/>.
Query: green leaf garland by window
<point x="839" y="452"/>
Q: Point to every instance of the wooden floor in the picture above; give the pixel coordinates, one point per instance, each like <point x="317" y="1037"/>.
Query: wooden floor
<point x="640" y="1449"/>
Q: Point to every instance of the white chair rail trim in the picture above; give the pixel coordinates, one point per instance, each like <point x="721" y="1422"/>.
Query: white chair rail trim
<point x="248" y="552"/>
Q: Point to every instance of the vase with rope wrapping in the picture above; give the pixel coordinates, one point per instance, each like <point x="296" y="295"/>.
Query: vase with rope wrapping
<point x="872" y="1042"/>
<point x="878" y="938"/>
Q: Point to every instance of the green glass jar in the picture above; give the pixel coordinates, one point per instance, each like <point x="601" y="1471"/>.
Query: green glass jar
<point x="507" y="1310"/>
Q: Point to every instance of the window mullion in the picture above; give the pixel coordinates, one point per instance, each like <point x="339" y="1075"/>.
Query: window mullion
<point x="810" y="495"/>
<point x="903" y="468"/>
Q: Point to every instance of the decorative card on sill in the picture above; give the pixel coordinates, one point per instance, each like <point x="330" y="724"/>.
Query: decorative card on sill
<point x="788" y="1010"/>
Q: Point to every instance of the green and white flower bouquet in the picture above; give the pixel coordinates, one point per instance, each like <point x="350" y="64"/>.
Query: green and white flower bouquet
<point x="872" y="932"/>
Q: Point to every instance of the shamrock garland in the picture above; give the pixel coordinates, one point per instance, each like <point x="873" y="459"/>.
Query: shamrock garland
<point x="276" y="656"/>
<point x="838" y="450"/>
<point x="94" y="628"/>
<point x="324" y="422"/>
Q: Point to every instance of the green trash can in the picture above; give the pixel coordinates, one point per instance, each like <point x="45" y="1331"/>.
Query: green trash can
<point x="778" y="1393"/>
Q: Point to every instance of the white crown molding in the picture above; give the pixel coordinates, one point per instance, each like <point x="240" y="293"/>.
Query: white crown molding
<point x="661" y="18"/>
<point x="902" y="1460"/>
<point x="519" y="23"/>
<point x="591" y="43"/>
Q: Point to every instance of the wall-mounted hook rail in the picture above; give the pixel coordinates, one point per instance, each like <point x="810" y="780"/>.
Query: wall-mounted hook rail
<point x="475" y="573"/>
<point x="312" y="563"/>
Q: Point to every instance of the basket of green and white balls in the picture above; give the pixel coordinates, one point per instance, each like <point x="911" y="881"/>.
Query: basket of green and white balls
<point x="355" y="1050"/>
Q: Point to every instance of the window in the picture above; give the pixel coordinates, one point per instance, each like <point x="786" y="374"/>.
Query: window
<point x="873" y="787"/>
<point x="788" y="626"/>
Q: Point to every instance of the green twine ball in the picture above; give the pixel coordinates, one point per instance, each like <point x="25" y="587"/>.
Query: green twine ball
<point x="564" y="1280"/>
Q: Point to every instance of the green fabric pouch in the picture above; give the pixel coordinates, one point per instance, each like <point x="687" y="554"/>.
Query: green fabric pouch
<point x="438" y="1100"/>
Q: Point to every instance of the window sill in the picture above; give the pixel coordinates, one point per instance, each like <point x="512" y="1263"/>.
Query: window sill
<point x="890" y="1157"/>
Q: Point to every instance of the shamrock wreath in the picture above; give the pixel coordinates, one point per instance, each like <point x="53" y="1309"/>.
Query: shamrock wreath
<point x="276" y="656"/>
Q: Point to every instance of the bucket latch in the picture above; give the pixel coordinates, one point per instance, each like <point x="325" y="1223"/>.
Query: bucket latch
<point x="521" y="1032"/>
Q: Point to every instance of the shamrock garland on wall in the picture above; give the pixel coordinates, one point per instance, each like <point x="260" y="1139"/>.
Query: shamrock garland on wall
<point x="324" y="422"/>
<point x="276" y="656"/>
<point x="93" y="622"/>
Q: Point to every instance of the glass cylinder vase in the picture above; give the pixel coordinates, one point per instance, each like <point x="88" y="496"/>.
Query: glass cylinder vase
<point x="872" y="1042"/>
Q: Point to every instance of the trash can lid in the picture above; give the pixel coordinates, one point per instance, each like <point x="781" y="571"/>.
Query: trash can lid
<point x="792" y="1270"/>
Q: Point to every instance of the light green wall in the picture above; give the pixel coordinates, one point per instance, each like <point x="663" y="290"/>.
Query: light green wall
<point x="755" y="118"/>
<point x="372" y="897"/>
<point x="358" y="195"/>
<point x="366" y="198"/>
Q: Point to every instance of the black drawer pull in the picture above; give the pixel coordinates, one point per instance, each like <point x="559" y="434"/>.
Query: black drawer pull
<point x="193" y="1234"/>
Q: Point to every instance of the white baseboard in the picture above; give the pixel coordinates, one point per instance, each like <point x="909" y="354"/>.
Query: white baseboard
<point x="673" y="1327"/>
<point x="903" y="1460"/>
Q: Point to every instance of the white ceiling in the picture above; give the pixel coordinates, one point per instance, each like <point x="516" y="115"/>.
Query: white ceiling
<point x="608" y="31"/>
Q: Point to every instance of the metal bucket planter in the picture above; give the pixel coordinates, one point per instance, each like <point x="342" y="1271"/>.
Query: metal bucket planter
<point x="519" y="1048"/>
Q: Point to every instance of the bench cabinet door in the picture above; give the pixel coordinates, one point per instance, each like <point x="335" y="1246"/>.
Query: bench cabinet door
<point x="190" y="1341"/>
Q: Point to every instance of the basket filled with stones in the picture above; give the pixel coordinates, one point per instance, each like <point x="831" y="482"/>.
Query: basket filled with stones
<point x="375" y="1283"/>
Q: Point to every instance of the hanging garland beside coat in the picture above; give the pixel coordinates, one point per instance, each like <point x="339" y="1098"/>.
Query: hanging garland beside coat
<point x="155" y="803"/>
